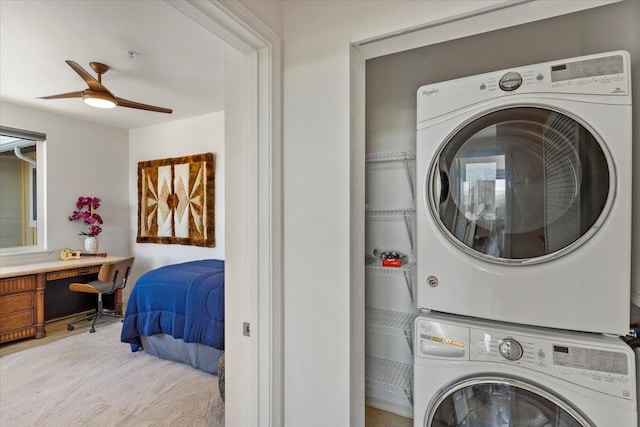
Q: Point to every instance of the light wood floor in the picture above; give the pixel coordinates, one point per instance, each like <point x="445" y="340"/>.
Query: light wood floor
<point x="55" y="331"/>
<point x="58" y="330"/>
<point x="374" y="417"/>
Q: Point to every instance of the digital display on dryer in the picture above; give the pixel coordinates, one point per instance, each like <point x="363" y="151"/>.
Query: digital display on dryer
<point x="588" y="68"/>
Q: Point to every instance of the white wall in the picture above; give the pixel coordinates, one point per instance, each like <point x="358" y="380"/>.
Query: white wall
<point x="195" y="135"/>
<point x="83" y="159"/>
<point x="270" y="12"/>
<point x="89" y="159"/>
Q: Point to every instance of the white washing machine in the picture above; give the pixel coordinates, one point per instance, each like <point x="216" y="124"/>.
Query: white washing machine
<point x="483" y="373"/>
<point x="524" y="194"/>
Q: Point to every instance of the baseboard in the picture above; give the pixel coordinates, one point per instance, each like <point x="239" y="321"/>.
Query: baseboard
<point x="392" y="407"/>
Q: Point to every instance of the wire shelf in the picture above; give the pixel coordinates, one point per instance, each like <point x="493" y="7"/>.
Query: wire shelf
<point x="387" y="213"/>
<point x="389" y="375"/>
<point x="389" y="156"/>
<point x="388" y="322"/>
<point x="378" y="269"/>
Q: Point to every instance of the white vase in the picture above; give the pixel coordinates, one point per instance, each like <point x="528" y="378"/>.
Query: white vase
<point x="91" y="244"/>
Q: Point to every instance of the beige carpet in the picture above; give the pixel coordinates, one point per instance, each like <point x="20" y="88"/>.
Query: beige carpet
<point x="95" y="380"/>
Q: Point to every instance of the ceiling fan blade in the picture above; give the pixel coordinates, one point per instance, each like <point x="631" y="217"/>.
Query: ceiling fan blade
<point x="132" y="104"/>
<point x="88" y="78"/>
<point x="77" y="94"/>
<point x="99" y="91"/>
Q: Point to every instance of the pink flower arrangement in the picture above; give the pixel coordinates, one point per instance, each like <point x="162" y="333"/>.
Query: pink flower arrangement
<point x="86" y="212"/>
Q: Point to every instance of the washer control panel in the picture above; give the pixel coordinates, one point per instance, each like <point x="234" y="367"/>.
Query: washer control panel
<point x="510" y="349"/>
<point x="602" y="364"/>
<point x="604" y="369"/>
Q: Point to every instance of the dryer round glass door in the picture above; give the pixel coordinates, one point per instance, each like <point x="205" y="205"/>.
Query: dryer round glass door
<point x="520" y="184"/>
<point x="500" y="402"/>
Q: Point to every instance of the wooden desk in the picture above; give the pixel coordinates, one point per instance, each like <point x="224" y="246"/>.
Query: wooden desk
<point x="23" y="291"/>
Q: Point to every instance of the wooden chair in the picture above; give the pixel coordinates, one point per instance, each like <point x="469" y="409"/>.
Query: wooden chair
<point x="112" y="276"/>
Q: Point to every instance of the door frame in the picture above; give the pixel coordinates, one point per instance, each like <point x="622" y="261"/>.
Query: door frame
<point x="254" y="371"/>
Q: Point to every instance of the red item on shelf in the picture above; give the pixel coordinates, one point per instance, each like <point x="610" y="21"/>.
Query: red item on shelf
<point x="391" y="262"/>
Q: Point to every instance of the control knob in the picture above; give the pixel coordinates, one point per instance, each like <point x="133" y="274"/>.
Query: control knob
<point x="510" y="349"/>
<point x="510" y="81"/>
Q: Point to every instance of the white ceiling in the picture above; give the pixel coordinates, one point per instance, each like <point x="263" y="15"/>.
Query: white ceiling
<point x="178" y="65"/>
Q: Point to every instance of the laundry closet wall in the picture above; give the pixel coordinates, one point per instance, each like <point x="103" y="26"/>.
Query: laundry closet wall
<point x="392" y="81"/>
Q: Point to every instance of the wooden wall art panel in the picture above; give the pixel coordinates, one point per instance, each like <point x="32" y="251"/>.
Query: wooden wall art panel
<point x="176" y="201"/>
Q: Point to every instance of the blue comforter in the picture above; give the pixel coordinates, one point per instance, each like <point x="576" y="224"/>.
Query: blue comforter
<point x="184" y="300"/>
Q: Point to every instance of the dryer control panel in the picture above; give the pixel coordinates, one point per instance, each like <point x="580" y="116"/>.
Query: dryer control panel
<point x="588" y="68"/>
<point x="603" y="78"/>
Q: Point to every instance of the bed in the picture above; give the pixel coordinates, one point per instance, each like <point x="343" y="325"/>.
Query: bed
<point x="176" y="312"/>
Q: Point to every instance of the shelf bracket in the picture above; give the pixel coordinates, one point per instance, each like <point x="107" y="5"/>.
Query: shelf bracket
<point x="409" y="178"/>
<point x="407" y="223"/>
<point x="407" y="336"/>
<point x="409" y="394"/>
<point x="409" y="287"/>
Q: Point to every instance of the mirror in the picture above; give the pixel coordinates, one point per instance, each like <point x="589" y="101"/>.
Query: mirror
<point x="20" y="189"/>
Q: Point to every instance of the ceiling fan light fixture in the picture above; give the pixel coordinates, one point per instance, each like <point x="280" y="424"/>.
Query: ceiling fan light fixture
<point x="97" y="95"/>
<point x="98" y="100"/>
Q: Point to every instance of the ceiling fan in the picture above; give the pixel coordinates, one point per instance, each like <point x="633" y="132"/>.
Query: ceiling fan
<point x="98" y="95"/>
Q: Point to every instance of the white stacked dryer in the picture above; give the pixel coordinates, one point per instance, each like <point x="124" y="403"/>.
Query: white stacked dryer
<point x="524" y="194"/>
